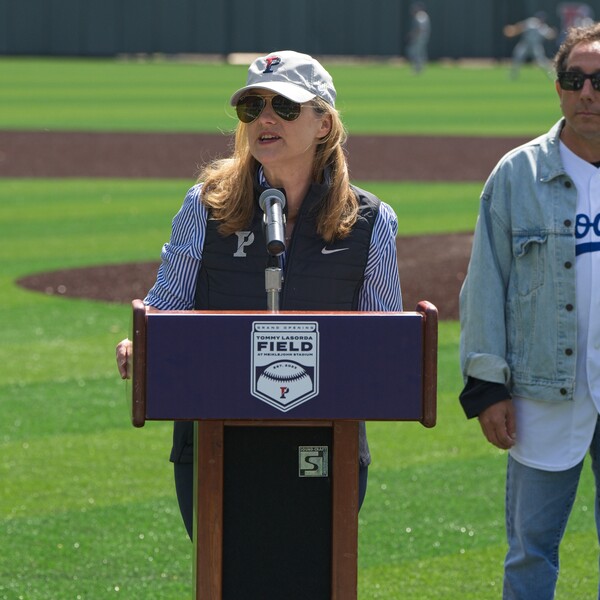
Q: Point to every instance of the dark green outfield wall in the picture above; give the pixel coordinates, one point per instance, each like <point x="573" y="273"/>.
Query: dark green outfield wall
<point x="460" y="28"/>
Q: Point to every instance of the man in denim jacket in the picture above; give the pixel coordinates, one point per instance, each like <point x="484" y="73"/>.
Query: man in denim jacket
<point x="530" y="320"/>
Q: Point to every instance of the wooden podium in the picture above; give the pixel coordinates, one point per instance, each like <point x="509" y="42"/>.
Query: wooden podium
<point x="269" y="390"/>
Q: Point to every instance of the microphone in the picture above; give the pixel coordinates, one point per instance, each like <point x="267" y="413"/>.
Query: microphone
<point x="272" y="202"/>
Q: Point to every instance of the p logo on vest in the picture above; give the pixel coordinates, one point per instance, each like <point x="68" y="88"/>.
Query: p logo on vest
<point x="245" y="238"/>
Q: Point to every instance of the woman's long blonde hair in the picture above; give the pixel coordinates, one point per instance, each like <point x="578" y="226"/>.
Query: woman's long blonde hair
<point x="228" y="189"/>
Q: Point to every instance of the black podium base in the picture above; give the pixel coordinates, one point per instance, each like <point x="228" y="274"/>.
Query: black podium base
<point x="277" y="513"/>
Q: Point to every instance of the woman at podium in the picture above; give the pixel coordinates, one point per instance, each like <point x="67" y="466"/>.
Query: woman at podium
<point x="282" y="199"/>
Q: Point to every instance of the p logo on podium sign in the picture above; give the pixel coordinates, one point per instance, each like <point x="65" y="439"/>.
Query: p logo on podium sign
<point x="313" y="461"/>
<point x="285" y="362"/>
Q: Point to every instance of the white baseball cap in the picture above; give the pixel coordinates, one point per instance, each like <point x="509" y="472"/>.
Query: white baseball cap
<point x="298" y="77"/>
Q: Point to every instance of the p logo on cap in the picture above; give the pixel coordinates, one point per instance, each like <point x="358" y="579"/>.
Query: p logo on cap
<point x="272" y="61"/>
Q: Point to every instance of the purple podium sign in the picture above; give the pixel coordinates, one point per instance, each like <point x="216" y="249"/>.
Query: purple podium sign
<point x="282" y="366"/>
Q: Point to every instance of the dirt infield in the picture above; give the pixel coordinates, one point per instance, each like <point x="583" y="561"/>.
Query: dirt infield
<point x="431" y="267"/>
<point x="377" y="158"/>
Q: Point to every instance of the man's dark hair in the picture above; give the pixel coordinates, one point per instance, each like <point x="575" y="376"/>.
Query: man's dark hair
<point x="575" y="35"/>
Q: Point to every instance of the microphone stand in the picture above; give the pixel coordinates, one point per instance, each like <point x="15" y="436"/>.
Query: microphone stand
<point x="273" y="281"/>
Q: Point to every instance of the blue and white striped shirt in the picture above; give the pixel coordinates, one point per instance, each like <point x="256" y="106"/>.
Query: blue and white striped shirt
<point x="182" y="255"/>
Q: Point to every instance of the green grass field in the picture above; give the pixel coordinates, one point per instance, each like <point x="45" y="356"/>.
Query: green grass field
<point x="87" y="504"/>
<point x="175" y="96"/>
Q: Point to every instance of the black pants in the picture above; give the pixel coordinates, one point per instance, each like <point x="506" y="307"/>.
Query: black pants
<point x="184" y="486"/>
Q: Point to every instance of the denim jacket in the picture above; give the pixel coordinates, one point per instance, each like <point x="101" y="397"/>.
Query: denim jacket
<point x="517" y="303"/>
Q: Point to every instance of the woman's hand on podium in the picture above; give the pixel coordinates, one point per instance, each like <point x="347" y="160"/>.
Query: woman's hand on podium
<point x="124" y="350"/>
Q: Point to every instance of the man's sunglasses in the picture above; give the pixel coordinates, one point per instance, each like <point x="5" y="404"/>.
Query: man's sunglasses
<point x="249" y="108"/>
<point x="573" y="81"/>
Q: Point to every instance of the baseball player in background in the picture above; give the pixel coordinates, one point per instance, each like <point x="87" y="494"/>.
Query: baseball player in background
<point x="533" y="32"/>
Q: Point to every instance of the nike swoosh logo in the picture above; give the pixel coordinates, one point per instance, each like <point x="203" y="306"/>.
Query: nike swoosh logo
<point x="326" y="250"/>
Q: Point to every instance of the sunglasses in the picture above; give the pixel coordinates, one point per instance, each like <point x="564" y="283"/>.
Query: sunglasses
<point x="249" y="108"/>
<point x="573" y="81"/>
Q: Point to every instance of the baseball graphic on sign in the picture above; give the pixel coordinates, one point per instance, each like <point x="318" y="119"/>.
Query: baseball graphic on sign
<point x="285" y="381"/>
